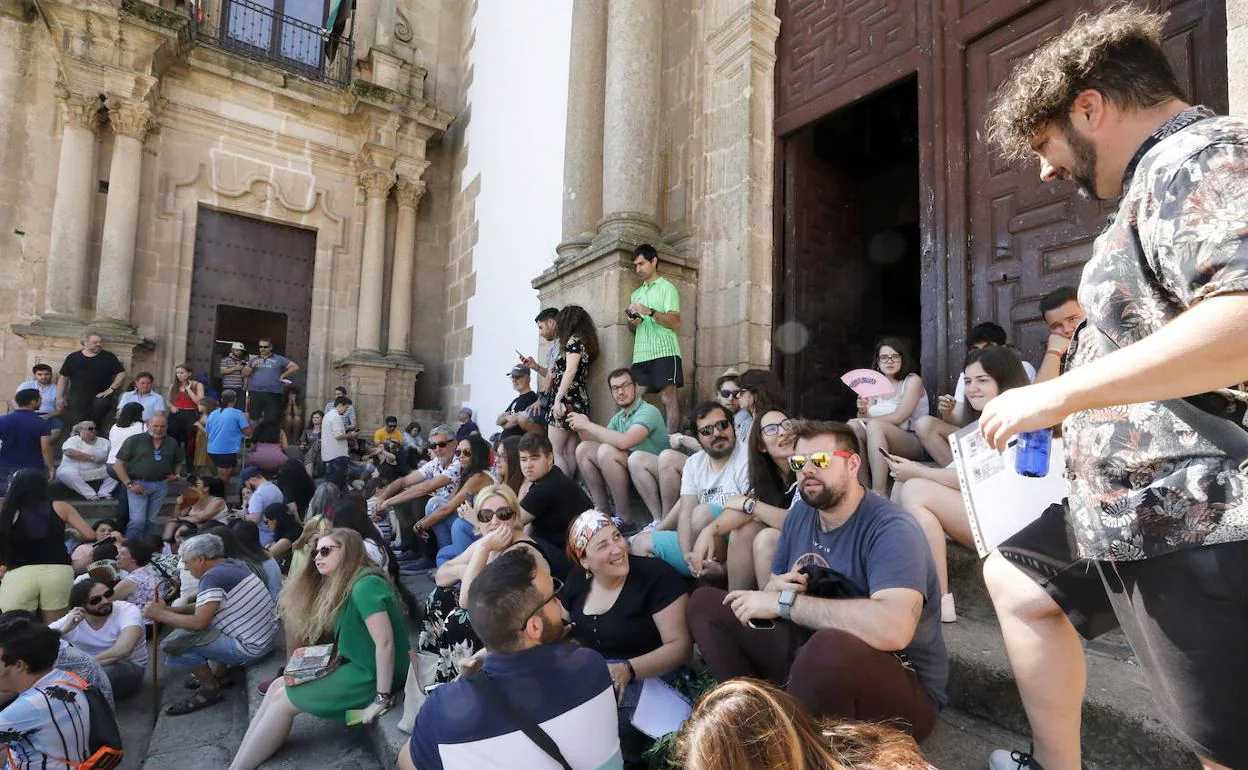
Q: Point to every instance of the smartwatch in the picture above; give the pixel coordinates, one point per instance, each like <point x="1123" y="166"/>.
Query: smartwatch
<point x="787" y="597"/>
<point x="748" y="508"/>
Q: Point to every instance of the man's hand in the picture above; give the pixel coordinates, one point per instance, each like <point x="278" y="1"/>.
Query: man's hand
<point x="639" y="309"/>
<point x="703" y="551"/>
<point x="156" y="609"/>
<point x="60" y="402"/>
<point x="172" y="477"/>
<point x="675" y="439"/>
<point x="578" y="422"/>
<point x="73" y="618"/>
<point x="529" y="362"/>
<point x="472" y="664"/>
<point x="1058" y="342"/>
<point x="789" y="581"/>
<point x="535" y="410"/>
<point x="1020" y="410"/>
<point x="103" y="394"/>
<point x="754" y="605"/>
<point x="136" y="488"/>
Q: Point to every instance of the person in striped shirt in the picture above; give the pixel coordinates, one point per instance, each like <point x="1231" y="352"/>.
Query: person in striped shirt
<point x="234" y="621"/>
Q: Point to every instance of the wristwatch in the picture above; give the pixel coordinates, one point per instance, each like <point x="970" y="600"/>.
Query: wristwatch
<point x="787" y="597"/>
<point x="748" y="508"/>
<point x="652" y="312"/>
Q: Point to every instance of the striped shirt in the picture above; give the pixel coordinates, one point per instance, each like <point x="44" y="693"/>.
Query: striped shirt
<point x="247" y="613"/>
<point x="232" y="381"/>
<point x="654" y="340"/>
<point x="47" y="725"/>
<point x="565" y="688"/>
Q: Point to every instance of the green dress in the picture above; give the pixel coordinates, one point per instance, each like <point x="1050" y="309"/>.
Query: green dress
<point x="353" y="684"/>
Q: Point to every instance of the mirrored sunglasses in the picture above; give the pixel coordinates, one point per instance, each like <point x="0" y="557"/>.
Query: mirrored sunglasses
<point x="819" y="459"/>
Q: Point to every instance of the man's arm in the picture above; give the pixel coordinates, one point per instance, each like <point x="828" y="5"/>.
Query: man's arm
<point x="291" y="368"/>
<point x="62" y="387"/>
<point x="622" y="441"/>
<point x="231" y="368"/>
<point x="45" y="448"/>
<point x="118" y="380"/>
<point x="198" y="621"/>
<point x="126" y="642"/>
<point x="419" y="490"/>
<point x="1203" y="349"/>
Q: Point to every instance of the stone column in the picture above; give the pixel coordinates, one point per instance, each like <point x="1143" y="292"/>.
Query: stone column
<point x="130" y="122"/>
<point x="1237" y="54"/>
<point x="408" y="193"/>
<point x="71" y="209"/>
<point x="376" y="183"/>
<point x="630" y="193"/>
<point x="582" y="156"/>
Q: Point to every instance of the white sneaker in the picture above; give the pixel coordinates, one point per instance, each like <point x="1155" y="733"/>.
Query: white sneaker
<point x="1001" y="759"/>
<point x="948" y="614"/>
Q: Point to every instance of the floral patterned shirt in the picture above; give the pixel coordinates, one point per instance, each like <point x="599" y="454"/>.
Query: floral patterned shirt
<point x="1145" y="483"/>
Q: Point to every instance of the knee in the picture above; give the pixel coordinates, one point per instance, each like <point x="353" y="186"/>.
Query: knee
<point x="639" y="464"/>
<point x="875" y="431"/>
<point x="830" y="656"/>
<point x="642" y="545"/>
<point x="586" y="452"/>
<point x="925" y="427"/>
<point x="743" y="537"/>
<point x="608" y="455"/>
<point x="704" y="604"/>
<point x="765" y="544"/>
<point x="1014" y="593"/>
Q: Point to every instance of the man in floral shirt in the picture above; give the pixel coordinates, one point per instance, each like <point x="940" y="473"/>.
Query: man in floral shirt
<point x="1154" y="424"/>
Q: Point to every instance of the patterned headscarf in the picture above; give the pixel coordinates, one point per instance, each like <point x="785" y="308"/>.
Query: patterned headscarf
<point x="583" y="530"/>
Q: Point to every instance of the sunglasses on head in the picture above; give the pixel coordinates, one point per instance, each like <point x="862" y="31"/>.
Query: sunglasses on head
<point x="502" y="514"/>
<point x="440" y="444"/>
<point x="95" y="601"/>
<point x="325" y="550"/>
<point x="819" y="459"/>
<point x="725" y="393"/>
<point x="785" y="425"/>
<point x="710" y="430"/>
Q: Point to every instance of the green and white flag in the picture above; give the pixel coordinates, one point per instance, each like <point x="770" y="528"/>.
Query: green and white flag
<point x="335" y="24"/>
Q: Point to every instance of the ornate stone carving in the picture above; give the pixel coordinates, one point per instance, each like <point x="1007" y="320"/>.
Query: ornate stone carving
<point x="377" y="181"/>
<point x="402" y="28"/>
<point x="409" y="192"/>
<point x="78" y="110"/>
<point x="132" y="119"/>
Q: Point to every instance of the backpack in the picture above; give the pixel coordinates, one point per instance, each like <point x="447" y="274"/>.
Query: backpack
<point x="104" y="736"/>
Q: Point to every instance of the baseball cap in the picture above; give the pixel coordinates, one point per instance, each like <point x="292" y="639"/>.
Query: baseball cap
<point x="249" y="473"/>
<point x="238" y="346"/>
<point x="518" y="371"/>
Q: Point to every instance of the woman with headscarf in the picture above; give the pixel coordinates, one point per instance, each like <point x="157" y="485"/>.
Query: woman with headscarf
<point x="83" y="460"/>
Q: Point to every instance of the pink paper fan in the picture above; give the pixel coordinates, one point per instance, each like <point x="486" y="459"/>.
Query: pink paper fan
<point x="867" y="383"/>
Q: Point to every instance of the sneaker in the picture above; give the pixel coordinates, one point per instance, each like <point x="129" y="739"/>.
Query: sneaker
<point x="1002" y="759"/>
<point x="948" y="613"/>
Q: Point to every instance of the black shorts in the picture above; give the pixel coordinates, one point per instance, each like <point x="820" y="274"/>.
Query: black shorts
<point x="1186" y="616"/>
<point x="657" y="373"/>
<point x="1045" y="551"/>
<point x="223" y="461"/>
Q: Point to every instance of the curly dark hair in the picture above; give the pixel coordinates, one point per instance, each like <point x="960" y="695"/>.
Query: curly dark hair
<point x="575" y="320"/>
<point x="1116" y="52"/>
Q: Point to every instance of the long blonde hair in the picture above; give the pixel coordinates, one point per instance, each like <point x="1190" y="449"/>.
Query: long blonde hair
<point x="310" y="602"/>
<point x="744" y="724"/>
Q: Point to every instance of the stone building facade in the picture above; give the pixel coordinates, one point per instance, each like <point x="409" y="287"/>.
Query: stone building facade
<point x="725" y="131"/>
<point x="176" y="181"/>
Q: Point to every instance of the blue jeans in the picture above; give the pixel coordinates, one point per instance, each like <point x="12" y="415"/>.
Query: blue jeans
<point x="462" y="536"/>
<point x="144" y="508"/>
<point x="224" y="649"/>
<point x="441" y="530"/>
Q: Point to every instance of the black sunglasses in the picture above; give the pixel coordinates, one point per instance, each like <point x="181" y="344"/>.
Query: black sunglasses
<point x="325" y="550"/>
<point x="502" y="514"/>
<point x="439" y="444"/>
<point x="463" y="453"/>
<point x="710" y="430"/>
<point x="95" y="601"/>
<point x="729" y="393"/>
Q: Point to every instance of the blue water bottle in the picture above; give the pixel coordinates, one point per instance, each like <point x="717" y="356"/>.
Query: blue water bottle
<point x="1031" y="456"/>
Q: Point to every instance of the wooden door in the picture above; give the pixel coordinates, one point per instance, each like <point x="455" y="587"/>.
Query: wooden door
<point x="243" y="263"/>
<point x="1025" y="238"/>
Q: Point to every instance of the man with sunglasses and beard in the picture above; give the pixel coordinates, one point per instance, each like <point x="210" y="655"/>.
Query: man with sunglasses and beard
<point x="437" y="479"/>
<point x="564" y="689"/>
<point x="853" y="590"/>
<point x="110" y="631"/>
<point x="712" y="476"/>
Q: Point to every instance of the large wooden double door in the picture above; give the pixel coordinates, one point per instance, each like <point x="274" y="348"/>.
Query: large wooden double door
<point x="994" y="239"/>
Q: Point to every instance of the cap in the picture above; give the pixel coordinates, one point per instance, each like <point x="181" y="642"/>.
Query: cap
<point x="518" y="371"/>
<point x="249" y="473"/>
<point x="238" y="346"/>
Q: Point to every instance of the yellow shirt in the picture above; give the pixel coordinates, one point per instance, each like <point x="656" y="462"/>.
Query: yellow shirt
<point x="384" y="435"/>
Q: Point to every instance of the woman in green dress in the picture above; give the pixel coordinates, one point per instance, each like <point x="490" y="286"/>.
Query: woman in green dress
<point x="337" y="594"/>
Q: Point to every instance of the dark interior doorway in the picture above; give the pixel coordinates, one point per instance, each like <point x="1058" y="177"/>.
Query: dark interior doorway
<point x="848" y="265"/>
<point x="248" y="326"/>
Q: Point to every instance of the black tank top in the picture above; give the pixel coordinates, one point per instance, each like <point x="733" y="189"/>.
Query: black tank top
<point x="37" y="537"/>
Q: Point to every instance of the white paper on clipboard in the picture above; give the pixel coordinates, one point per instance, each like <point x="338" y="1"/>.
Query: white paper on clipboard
<point x="660" y="709"/>
<point x="999" y="502"/>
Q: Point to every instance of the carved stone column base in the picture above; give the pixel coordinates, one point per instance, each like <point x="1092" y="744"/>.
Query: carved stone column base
<point x="379" y="385"/>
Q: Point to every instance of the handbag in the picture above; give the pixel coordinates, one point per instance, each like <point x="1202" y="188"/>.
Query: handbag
<point x="315" y="661"/>
<point x="526" y="723"/>
<point x="421" y="674"/>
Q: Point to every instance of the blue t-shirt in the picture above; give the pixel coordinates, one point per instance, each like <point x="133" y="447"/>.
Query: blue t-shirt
<point x="225" y="430"/>
<point x="565" y="689"/>
<point x="20" y="434"/>
<point x="47" y="724"/>
<point x="266" y="373"/>
<point x="265" y="495"/>
<point x="880" y="546"/>
<point x="152" y="403"/>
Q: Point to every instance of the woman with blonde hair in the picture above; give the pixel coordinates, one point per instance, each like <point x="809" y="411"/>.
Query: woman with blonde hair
<point x="745" y="723"/>
<point x="336" y="597"/>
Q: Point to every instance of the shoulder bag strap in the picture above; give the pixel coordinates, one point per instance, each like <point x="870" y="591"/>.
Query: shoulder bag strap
<point x="526" y="723"/>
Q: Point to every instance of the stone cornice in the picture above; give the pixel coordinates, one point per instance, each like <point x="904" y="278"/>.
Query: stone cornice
<point x="752" y="30"/>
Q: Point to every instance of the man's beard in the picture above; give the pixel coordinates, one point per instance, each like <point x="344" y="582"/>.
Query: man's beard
<point x="552" y="632"/>
<point x="824" y="500"/>
<point x="1083" y="169"/>
<point x="722" y="452"/>
<point x="102" y="611"/>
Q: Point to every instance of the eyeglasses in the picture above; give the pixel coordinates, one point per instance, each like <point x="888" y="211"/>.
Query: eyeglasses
<point x="325" y="550"/>
<point x="95" y="601"/>
<point x="502" y="514"/>
<point x="621" y="387"/>
<point x="775" y="427"/>
<point x="463" y="453"/>
<point x="440" y="444"/>
<point x="889" y="358"/>
<point x="554" y="595"/>
<point x="819" y="459"/>
<point x="88" y="427"/>
<point x="710" y="430"/>
<point x="725" y="393"/>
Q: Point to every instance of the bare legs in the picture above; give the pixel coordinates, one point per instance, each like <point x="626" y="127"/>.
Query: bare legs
<point x="269" y="729"/>
<point x="933" y="434"/>
<point x="564" y="443"/>
<point x="643" y="468"/>
<point x="765" y="544"/>
<point x="939" y="510"/>
<point x="740" y="559"/>
<point x="671" y="468"/>
<point x="874" y="435"/>
<point x="1047" y="659"/>
<point x="605" y="470"/>
<point x="671" y="408"/>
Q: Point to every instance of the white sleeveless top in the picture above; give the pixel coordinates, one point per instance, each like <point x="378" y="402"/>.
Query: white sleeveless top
<point x="888" y="404"/>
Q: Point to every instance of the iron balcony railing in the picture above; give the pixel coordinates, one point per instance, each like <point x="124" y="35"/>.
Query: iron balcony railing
<point x="255" y="32"/>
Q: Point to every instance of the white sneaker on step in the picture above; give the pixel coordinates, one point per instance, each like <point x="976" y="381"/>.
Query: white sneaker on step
<point x="1003" y="759"/>
<point x="948" y="613"/>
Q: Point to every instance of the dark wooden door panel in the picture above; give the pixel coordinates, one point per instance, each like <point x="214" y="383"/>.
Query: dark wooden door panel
<point x="250" y="263"/>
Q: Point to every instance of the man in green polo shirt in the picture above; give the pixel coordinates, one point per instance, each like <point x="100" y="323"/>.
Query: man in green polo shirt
<point x="654" y="316"/>
<point x="630" y="443"/>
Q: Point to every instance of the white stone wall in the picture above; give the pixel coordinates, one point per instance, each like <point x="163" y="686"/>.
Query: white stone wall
<point x="1237" y="54"/>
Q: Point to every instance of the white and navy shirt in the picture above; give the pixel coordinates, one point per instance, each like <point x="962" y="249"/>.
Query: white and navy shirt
<point x="247" y="613"/>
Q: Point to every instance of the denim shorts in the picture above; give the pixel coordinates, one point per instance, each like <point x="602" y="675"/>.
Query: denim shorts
<point x="224" y="649"/>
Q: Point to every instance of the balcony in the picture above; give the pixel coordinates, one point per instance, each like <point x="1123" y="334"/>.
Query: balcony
<point x="263" y="34"/>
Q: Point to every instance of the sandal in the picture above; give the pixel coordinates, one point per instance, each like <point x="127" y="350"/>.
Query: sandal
<point x="225" y="680"/>
<point x="200" y="700"/>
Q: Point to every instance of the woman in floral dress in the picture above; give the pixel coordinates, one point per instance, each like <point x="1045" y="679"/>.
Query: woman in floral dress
<point x="578" y="348"/>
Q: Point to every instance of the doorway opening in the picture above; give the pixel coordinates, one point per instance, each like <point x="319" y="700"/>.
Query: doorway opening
<point x="248" y="326"/>
<point x="849" y="262"/>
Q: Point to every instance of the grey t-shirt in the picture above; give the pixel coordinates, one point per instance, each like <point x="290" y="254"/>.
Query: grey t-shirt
<point x="880" y="546"/>
<point x="266" y="373"/>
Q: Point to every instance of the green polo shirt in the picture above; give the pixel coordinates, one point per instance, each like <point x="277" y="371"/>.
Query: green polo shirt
<point x="654" y="340"/>
<point x="139" y="454"/>
<point x="646" y="414"/>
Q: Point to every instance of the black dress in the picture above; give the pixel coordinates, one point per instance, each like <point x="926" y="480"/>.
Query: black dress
<point x="577" y="397"/>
